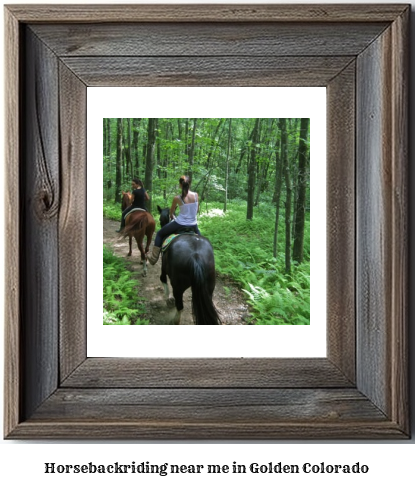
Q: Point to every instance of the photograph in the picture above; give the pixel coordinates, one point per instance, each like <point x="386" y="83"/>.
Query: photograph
<point x="206" y="221"/>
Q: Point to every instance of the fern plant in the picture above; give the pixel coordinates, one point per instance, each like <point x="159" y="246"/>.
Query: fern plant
<point x="121" y="303"/>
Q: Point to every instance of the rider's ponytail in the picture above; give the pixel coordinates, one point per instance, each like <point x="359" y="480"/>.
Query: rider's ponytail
<point x="185" y="182"/>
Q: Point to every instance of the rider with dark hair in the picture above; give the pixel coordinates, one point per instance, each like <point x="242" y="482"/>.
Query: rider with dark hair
<point x="188" y="203"/>
<point x="140" y="197"/>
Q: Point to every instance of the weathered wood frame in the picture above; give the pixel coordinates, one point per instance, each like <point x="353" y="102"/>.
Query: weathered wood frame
<point x="359" y="52"/>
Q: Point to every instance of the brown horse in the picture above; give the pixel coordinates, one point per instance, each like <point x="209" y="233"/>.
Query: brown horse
<point x="138" y="224"/>
<point x="127" y="200"/>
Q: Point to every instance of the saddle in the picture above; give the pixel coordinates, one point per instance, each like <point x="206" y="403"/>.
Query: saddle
<point x="168" y="240"/>
<point x="135" y="210"/>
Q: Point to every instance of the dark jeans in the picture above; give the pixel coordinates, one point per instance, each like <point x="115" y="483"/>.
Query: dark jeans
<point x="172" y="228"/>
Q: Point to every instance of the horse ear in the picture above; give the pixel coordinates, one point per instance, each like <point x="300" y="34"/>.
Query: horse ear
<point x="159" y="209"/>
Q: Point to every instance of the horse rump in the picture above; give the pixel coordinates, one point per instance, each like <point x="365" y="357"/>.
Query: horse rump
<point x="134" y="222"/>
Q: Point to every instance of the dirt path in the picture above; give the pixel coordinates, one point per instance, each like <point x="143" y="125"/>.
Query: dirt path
<point x="228" y="299"/>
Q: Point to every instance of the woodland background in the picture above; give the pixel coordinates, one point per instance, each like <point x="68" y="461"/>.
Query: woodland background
<point x="253" y="181"/>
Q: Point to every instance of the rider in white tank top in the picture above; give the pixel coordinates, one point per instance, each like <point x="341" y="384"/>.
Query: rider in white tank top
<point x="188" y="212"/>
<point x="187" y="217"/>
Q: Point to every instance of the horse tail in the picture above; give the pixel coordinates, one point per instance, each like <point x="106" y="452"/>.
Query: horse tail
<point x="135" y="226"/>
<point x="204" y="311"/>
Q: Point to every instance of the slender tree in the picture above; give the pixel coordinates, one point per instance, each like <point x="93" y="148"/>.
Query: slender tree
<point x="136" y="132"/>
<point x="105" y="138"/>
<point x="119" y="162"/>
<point x="251" y="170"/>
<point x="109" y="143"/>
<point x="302" y="180"/>
<point x="191" y="153"/>
<point x="151" y="144"/>
<point x="130" y="157"/>
<point x="227" y="165"/>
<point x="277" y="194"/>
<point x="288" y="193"/>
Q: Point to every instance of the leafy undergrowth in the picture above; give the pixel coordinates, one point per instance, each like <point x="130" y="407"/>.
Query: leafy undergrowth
<point x="122" y="304"/>
<point x="244" y="252"/>
<point x="112" y="210"/>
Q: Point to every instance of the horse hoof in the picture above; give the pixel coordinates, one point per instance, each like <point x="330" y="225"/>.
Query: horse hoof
<point x="129" y="254"/>
<point x="144" y="273"/>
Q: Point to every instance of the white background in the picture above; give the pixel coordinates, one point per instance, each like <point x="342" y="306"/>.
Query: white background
<point x="212" y="341"/>
<point x="22" y="463"/>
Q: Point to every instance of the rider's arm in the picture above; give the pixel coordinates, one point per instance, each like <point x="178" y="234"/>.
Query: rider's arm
<point x="146" y="197"/>
<point x="173" y="207"/>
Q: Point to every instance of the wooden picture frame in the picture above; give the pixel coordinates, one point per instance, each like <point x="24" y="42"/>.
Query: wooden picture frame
<point x="360" y="53"/>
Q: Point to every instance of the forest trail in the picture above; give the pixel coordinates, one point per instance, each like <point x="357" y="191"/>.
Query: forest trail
<point x="228" y="298"/>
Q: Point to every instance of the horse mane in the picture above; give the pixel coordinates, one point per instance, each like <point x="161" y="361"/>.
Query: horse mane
<point x="126" y="200"/>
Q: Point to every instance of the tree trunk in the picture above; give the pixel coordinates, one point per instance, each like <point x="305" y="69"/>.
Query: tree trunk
<point x="130" y="153"/>
<point x="151" y="144"/>
<point x="126" y="151"/>
<point x="251" y="171"/>
<point x="259" y="169"/>
<point x="109" y="143"/>
<point x="105" y="139"/>
<point x="277" y="194"/>
<point x="227" y="166"/>
<point x="179" y="127"/>
<point x="162" y="133"/>
<point x="186" y="137"/>
<point x="119" y="162"/>
<point x="192" y="150"/>
<point x="288" y="196"/>
<point x="294" y="129"/>
<point x="298" y="249"/>
<point x="136" y="130"/>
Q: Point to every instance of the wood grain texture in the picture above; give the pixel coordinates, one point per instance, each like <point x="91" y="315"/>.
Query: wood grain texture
<point x="400" y="246"/>
<point x="209" y="405"/>
<point x="207" y="71"/>
<point x="40" y="194"/>
<point x="72" y="222"/>
<point x="373" y="308"/>
<point x="54" y="392"/>
<point x="13" y="383"/>
<point x="206" y="373"/>
<point x="206" y="13"/>
<point x="376" y="221"/>
<point x="382" y="222"/>
<point x="183" y="39"/>
<point x="341" y="235"/>
<point x="213" y="431"/>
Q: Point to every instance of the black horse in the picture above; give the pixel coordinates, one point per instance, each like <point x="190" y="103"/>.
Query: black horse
<point x="189" y="262"/>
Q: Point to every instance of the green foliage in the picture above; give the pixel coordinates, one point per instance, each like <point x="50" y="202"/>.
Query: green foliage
<point x="112" y="210"/>
<point x="121" y="305"/>
<point x="218" y="159"/>
<point x="243" y="251"/>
